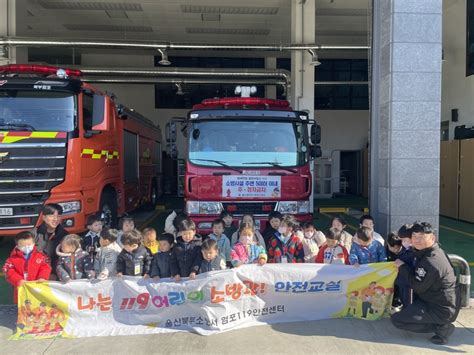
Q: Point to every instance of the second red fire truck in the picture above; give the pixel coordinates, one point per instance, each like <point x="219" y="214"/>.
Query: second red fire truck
<point x="248" y="155"/>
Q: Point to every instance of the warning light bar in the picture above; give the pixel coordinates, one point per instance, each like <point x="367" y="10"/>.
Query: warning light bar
<point x="243" y="102"/>
<point x="37" y="69"/>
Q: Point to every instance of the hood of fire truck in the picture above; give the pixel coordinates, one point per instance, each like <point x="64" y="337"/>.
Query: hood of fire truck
<point x="204" y="183"/>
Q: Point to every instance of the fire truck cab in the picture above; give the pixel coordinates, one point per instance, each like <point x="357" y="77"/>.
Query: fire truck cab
<point x="248" y="155"/>
<point x="67" y="142"/>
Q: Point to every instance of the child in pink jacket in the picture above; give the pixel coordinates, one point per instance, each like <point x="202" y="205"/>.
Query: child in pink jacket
<point x="246" y="251"/>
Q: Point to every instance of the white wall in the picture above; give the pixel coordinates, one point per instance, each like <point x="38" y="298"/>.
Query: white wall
<point x="457" y="89"/>
<point x="341" y="130"/>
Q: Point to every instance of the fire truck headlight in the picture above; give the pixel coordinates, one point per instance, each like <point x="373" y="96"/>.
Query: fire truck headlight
<point x="303" y="206"/>
<point x="210" y="207"/>
<point x="192" y="207"/>
<point x="287" y="207"/>
<point x="70" y="206"/>
<point x="203" y="207"/>
<point x="293" y="207"/>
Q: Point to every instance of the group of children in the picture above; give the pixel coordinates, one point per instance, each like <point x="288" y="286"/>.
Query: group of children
<point x="48" y="252"/>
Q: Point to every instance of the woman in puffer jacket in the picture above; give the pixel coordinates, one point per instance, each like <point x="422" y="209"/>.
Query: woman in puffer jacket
<point x="73" y="263"/>
<point x="257" y="236"/>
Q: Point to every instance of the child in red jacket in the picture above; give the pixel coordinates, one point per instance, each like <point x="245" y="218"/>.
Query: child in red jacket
<point x="25" y="263"/>
<point x="333" y="252"/>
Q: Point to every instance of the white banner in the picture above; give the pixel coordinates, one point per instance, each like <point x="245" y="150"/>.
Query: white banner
<point x="251" y="186"/>
<point x="215" y="302"/>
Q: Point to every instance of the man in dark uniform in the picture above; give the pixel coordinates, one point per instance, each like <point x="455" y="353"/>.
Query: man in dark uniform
<point x="433" y="280"/>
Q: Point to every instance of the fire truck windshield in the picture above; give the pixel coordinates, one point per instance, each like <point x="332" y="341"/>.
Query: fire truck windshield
<point x="248" y="143"/>
<point x="22" y="110"/>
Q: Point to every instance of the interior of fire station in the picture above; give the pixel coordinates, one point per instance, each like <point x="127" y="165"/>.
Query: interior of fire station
<point x="384" y="101"/>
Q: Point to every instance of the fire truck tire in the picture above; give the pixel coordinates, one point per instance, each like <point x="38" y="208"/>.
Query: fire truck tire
<point x="108" y="209"/>
<point x="153" y="197"/>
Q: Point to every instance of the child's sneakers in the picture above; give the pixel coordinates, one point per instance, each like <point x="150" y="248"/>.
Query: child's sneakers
<point x="395" y="309"/>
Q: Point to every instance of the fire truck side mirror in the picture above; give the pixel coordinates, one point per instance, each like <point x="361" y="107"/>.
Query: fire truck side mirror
<point x="316" y="134"/>
<point x="101" y="114"/>
<point x="315" y="151"/>
<point x="171" y="132"/>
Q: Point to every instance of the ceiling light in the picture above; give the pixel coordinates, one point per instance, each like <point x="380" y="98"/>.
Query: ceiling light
<point x="230" y="10"/>
<point x="110" y="28"/>
<point x="116" y="14"/>
<point x="89" y="5"/>
<point x="210" y="17"/>
<point x="314" y="58"/>
<point x="228" y="31"/>
<point x="164" y="57"/>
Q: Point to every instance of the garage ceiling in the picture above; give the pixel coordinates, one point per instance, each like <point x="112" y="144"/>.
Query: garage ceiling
<point x="338" y="22"/>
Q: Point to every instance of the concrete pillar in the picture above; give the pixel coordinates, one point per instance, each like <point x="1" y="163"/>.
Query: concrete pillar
<point x="405" y="116"/>
<point x="9" y="27"/>
<point x="302" y="72"/>
<point x="270" y="90"/>
<point x="303" y="13"/>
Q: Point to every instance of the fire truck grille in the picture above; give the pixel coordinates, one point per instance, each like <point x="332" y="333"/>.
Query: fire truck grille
<point x="29" y="169"/>
<point x="255" y="208"/>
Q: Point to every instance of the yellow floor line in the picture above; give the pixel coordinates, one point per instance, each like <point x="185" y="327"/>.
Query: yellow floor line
<point x="2" y="274"/>
<point x="333" y="209"/>
<point x="457" y="231"/>
<point x="348" y="225"/>
<point x="471" y="264"/>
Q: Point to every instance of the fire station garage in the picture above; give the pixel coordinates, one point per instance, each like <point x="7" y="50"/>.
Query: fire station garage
<point x="308" y="107"/>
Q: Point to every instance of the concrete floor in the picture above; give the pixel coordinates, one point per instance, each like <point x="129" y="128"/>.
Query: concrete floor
<point x="337" y="336"/>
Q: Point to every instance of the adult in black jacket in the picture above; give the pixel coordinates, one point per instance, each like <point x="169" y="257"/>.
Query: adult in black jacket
<point x="50" y="233"/>
<point x="433" y="280"/>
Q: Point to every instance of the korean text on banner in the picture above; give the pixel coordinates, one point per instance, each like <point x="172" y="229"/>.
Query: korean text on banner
<point x="251" y="186"/>
<point x="215" y="302"/>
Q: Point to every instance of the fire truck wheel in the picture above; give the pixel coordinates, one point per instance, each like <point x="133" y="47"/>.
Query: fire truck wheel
<point x="108" y="209"/>
<point x="153" y="197"/>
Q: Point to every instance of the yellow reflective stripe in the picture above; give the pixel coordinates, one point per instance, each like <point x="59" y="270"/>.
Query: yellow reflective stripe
<point x="103" y="154"/>
<point x="43" y="134"/>
<point x="87" y="151"/>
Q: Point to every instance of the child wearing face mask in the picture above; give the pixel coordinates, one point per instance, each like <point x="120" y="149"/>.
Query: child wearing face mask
<point x="338" y="222"/>
<point x="285" y="246"/>
<point x="246" y="251"/>
<point x="25" y="263"/>
<point x="312" y="241"/>
<point x="257" y="236"/>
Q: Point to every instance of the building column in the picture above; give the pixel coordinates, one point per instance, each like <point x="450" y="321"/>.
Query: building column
<point x="405" y="112"/>
<point x="270" y="90"/>
<point x="303" y="13"/>
<point x="9" y="27"/>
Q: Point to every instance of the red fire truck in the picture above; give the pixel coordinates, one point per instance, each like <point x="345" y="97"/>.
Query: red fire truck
<point x="64" y="141"/>
<point x="248" y="155"/>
